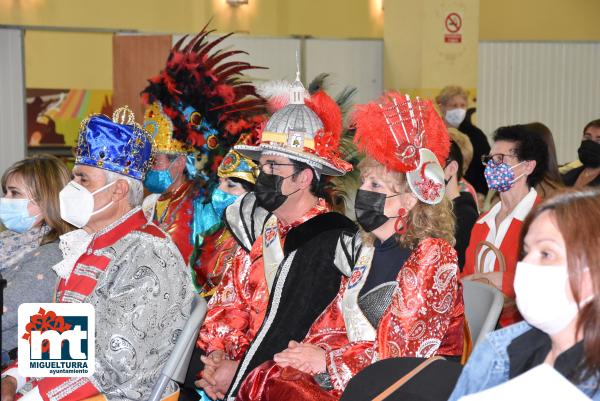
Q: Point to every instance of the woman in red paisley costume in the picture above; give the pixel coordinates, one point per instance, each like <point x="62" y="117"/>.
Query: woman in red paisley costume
<point x="402" y="296"/>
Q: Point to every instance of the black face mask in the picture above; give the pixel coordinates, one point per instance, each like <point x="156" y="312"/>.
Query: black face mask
<point x="589" y="153"/>
<point x="369" y="208"/>
<point x="268" y="191"/>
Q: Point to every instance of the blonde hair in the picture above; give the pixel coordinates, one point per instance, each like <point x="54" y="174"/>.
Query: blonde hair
<point x="44" y="176"/>
<point x="449" y="92"/>
<point x="424" y="220"/>
<point x="465" y="146"/>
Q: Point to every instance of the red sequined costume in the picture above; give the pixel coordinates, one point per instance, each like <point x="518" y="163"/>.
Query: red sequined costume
<point x="174" y="214"/>
<point x="237" y="309"/>
<point x="425" y="318"/>
<point x="421" y="313"/>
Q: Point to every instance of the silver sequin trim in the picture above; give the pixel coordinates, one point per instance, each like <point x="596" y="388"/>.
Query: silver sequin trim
<point x="66" y="388"/>
<point x="267" y="323"/>
<point x="72" y="297"/>
<point x="87" y="271"/>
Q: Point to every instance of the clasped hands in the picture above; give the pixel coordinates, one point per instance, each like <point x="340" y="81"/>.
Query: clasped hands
<point x="217" y="374"/>
<point x="219" y="371"/>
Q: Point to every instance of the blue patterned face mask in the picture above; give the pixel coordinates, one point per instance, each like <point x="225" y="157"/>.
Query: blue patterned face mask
<point x="158" y="181"/>
<point x="500" y="177"/>
<point x="15" y="216"/>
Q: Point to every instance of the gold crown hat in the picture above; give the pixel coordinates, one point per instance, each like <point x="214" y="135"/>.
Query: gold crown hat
<point x="160" y="127"/>
<point x="236" y="165"/>
<point x="305" y="129"/>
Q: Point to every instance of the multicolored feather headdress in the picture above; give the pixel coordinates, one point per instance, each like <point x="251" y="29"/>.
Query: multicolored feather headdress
<point x="205" y="100"/>
<point x="406" y="135"/>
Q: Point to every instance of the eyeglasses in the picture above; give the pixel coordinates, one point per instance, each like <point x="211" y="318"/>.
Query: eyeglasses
<point x="497" y="158"/>
<point x="270" y="167"/>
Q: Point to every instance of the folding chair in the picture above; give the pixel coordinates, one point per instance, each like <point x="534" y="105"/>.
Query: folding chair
<point x="483" y="304"/>
<point x="177" y="364"/>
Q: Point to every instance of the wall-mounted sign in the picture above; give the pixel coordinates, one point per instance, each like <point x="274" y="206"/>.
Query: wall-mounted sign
<point x="453" y="25"/>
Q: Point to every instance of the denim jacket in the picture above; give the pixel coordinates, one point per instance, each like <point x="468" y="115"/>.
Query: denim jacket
<point x="489" y="364"/>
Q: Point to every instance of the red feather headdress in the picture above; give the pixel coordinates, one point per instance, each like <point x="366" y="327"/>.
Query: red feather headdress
<point x="407" y="136"/>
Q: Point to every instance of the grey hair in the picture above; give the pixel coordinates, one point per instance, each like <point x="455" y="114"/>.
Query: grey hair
<point x="136" y="188"/>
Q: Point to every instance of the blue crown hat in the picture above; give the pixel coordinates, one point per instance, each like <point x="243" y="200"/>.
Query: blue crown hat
<point x="119" y="145"/>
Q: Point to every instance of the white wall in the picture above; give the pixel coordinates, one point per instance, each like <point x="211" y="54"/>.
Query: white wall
<point x="357" y="63"/>
<point x="556" y="83"/>
<point x="12" y="101"/>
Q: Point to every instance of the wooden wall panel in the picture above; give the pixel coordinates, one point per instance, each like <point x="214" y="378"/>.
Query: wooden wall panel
<point x="135" y="59"/>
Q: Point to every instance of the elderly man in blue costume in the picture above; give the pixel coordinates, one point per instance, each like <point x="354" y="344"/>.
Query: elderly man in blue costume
<point x="131" y="272"/>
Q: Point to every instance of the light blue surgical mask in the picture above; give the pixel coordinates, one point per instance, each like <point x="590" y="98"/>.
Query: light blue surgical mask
<point x="221" y="199"/>
<point x="15" y="216"/>
<point x="158" y="181"/>
<point x="207" y="216"/>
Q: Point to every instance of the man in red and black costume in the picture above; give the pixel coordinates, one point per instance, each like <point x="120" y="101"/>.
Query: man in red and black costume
<point x="284" y="274"/>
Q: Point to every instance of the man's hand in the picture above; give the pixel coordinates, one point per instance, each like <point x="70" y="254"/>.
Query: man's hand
<point x="217" y="374"/>
<point x="223" y="377"/>
<point x="9" y="388"/>
<point x="307" y="358"/>
<point x="211" y="362"/>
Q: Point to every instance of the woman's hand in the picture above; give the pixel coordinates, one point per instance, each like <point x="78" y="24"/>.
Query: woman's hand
<point x="307" y="358"/>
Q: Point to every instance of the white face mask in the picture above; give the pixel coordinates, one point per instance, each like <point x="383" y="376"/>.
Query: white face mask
<point x="542" y="298"/>
<point x="455" y="116"/>
<point x="77" y="203"/>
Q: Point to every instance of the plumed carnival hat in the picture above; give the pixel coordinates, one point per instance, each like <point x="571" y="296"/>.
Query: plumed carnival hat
<point x="408" y="136"/>
<point x="303" y="128"/>
<point x="119" y="144"/>
<point x="201" y="102"/>
<point x="236" y="165"/>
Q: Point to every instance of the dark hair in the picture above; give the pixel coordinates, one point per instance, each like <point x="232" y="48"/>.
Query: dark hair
<point x="544" y="132"/>
<point x="593" y="123"/>
<point x="530" y="146"/>
<point x="456" y="156"/>
<point x="577" y="215"/>
<point x="248" y="186"/>
<point x="316" y="185"/>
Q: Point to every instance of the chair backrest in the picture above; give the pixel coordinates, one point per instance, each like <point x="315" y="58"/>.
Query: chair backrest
<point x="179" y="360"/>
<point x="483" y="304"/>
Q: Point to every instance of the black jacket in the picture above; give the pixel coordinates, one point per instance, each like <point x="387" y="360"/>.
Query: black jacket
<point x="571" y="176"/>
<point x="465" y="210"/>
<point x="306" y="283"/>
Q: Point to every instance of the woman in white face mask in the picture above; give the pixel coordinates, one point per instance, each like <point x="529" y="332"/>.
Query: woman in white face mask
<point x="557" y="285"/>
<point x="29" y="247"/>
<point x="452" y="102"/>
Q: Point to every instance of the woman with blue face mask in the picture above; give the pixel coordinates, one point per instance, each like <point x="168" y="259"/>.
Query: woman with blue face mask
<point x="237" y="176"/>
<point x="29" y="210"/>
<point x="557" y="285"/>
<point x="517" y="162"/>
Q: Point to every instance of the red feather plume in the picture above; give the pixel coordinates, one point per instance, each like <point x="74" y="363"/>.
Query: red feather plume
<point x="375" y="138"/>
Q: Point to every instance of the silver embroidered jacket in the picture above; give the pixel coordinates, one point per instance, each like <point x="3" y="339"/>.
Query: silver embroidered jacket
<point x="142" y="297"/>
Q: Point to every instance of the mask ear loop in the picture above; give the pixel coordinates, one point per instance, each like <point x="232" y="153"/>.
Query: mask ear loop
<point x="401" y="220"/>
